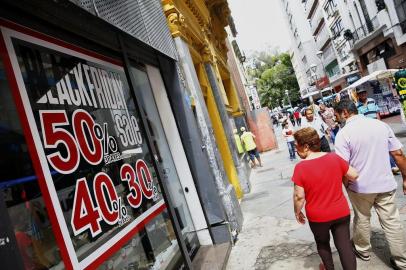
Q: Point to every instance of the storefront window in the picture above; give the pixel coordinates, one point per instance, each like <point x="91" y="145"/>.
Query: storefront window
<point x="20" y="190"/>
<point x="105" y="205"/>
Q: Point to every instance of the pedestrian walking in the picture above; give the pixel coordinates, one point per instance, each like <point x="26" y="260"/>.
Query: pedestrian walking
<point x="318" y="181"/>
<point x="297" y="117"/>
<point x="287" y="133"/>
<point x="327" y="114"/>
<point x="248" y="141"/>
<point x="315" y="108"/>
<point x="319" y="126"/>
<point x="275" y="121"/>
<point x="367" y="106"/>
<point x="292" y="119"/>
<point x="238" y="143"/>
<point x="364" y="142"/>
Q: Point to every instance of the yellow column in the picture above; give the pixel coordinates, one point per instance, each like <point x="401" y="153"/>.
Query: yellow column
<point x="227" y="86"/>
<point x="219" y="132"/>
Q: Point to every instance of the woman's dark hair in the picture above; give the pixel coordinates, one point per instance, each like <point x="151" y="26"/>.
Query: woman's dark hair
<point x="308" y="136"/>
<point x="347" y="105"/>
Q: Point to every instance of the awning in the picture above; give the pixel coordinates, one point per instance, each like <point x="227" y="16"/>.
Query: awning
<point x="343" y="76"/>
<point x="376" y="75"/>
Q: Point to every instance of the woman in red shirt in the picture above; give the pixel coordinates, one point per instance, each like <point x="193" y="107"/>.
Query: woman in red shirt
<point x="318" y="181"/>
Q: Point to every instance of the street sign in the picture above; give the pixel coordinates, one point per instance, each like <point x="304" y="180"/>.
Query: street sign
<point x="400" y="81"/>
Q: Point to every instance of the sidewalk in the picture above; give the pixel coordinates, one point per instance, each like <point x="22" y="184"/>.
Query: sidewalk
<point x="272" y="239"/>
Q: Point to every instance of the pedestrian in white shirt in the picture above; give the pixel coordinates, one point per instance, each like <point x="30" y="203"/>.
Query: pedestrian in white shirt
<point x="287" y="133"/>
<point x="319" y="126"/>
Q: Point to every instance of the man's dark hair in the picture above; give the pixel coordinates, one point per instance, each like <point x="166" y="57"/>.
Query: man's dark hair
<point x="308" y="109"/>
<point x="347" y="105"/>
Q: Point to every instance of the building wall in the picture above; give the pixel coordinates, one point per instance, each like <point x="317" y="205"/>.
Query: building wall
<point x="370" y="28"/>
<point x="261" y="125"/>
<point x="198" y="29"/>
<point x="303" y="47"/>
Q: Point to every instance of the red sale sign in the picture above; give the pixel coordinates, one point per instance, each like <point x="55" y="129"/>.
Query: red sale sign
<point x="90" y="150"/>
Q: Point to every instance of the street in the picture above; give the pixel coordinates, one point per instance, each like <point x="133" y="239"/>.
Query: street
<point x="272" y="239"/>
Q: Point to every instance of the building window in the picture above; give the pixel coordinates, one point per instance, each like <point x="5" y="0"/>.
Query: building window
<point x="333" y="69"/>
<point x="400" y="7"/>
<point x="384" y="50"/>
<point x="296" y="33"/>
<point x="328" y="51"/>
<point x="344" y="51"/>
<point x="330" y="8"/>
<point x="304" y="60"/>
<point x="300" y="45"/>
<point x="336" y="28"/>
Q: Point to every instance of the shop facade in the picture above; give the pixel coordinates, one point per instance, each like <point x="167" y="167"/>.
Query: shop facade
<point x="379" y="53"/>
<point x="197" y="28"/>
<point x="95" y="174"/>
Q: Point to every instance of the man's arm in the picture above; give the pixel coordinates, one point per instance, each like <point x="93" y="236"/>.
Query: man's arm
<point x="377" y="111"/>
<point x="400" y="160"/>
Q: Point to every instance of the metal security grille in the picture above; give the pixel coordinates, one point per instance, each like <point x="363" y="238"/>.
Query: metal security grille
<point x="86" y="4"/>
<point x="142" y="19"/>
<point x="157" y="28"/>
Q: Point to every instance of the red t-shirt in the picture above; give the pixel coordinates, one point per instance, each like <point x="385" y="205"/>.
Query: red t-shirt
<point x="321" y="179"/>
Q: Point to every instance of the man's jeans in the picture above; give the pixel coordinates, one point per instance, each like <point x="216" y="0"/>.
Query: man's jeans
<point x="392" y="162"/>
<point x="292" y="151"/>
<point x="388" y="213"/>
<point x="334" y="134"/>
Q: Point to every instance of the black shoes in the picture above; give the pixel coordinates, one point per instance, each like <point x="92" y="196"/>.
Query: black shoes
<point x="393" y="264"/>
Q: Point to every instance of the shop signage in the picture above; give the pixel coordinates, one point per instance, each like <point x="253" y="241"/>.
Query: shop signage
<point x="322" y="83"/>
<point x="96" y="168"/>
<point x="353" y="78"/>
<point x="400" y="81"/>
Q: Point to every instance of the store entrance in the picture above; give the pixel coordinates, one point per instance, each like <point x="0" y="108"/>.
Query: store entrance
<point x="160" y="138"/>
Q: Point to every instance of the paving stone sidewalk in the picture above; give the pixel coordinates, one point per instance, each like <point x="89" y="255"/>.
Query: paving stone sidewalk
<point x="272" y="239"/>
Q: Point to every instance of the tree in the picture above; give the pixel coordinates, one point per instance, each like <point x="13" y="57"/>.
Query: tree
<point x="273" y="77"/>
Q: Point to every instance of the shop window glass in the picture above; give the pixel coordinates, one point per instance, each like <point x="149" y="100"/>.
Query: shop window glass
<point x="95" y="156"/>
<point x="20" y="190"/>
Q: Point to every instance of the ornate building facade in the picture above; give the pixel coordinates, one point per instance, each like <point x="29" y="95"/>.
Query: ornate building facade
<point x="198" y="28"/>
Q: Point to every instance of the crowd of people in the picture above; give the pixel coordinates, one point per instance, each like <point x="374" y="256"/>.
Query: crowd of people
<point x="366" y="156"/>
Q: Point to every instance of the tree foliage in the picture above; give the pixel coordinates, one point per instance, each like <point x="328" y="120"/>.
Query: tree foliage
<point x="274" y="75"/>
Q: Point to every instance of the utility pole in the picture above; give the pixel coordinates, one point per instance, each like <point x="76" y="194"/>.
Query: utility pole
<point x="287" y="94"/>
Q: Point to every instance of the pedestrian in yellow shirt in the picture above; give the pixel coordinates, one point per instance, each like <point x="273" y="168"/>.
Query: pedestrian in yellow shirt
<point x="238" y="143"/>
<point x="248" y="141"/>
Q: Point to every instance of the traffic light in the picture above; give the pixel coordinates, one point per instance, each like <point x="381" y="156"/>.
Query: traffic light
<point x="380" y="4"/>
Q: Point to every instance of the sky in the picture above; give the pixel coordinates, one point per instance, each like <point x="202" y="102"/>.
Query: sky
<point x="260" y="25"/>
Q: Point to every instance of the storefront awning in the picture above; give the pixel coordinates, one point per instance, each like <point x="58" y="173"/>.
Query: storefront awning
<point x="377" y="75"/>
